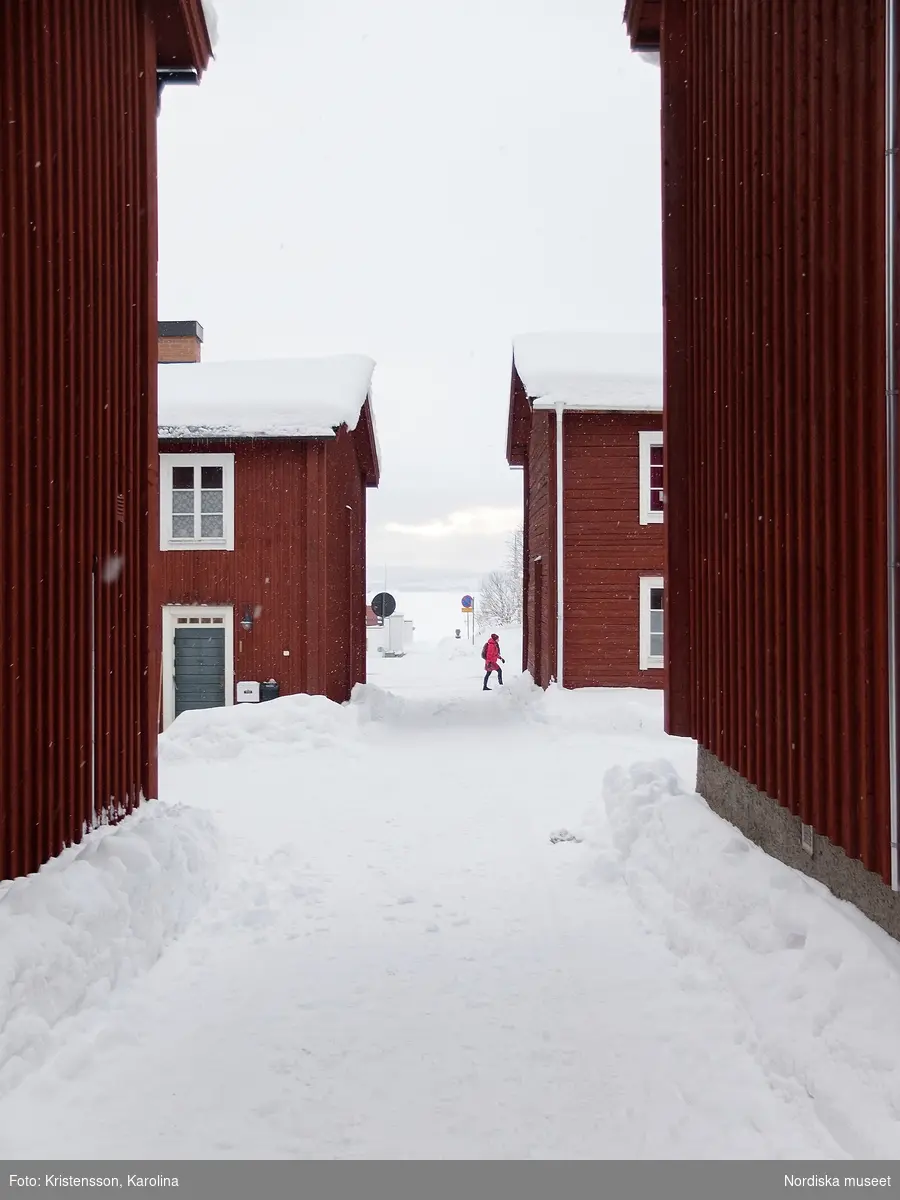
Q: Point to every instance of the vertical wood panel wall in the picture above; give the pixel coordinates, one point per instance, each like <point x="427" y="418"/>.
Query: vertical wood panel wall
<point x="77" y="418"/>
<point x="773" y="163"/>
<point x="607" y="550"/>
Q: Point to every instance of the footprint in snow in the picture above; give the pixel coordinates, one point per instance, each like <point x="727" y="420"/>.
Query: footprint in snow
<point x="563" y="835"/>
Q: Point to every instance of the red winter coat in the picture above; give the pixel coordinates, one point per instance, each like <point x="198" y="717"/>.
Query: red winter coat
<point x="492" y="653"/>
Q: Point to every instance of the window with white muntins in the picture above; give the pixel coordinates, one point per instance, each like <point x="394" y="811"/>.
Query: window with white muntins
<point x="196" y="501"/>
<point x="652" y="622"/>
<point x="651" y="477"/>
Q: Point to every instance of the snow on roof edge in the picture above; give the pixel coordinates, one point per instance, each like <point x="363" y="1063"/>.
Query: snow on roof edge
<point x="375" y="439"/>
<point x="186" y="433"/>
<point x="591" y="372"/>
<point x="274" y="398"/>
<point x="212" y="21"/>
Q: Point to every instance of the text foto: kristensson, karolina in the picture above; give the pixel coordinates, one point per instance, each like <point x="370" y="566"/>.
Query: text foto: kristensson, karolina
<point x="93" y="1181"/>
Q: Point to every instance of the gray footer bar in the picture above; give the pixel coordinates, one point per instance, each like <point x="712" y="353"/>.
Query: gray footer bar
<point x="418" y="1180"/>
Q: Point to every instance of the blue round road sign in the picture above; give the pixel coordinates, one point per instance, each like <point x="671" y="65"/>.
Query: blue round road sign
<point x="467" y="601"/>
<point x="383" y="605"/>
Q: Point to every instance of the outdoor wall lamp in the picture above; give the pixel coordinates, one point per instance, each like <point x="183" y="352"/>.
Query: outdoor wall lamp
<point x="247" y="619"/>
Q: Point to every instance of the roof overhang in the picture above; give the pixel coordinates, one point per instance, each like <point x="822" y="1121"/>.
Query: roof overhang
<point x="364" y="435"/>
<point x="367" y="451"/>
<point x="585" y="406"/>
<point x="519" y="423"/>
<point x="216" y="433"/>
<point x="183" y="42"/>
<point x="642" y="20"/>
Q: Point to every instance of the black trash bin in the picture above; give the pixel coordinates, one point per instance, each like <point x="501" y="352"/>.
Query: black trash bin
<point x="268" y="691"/>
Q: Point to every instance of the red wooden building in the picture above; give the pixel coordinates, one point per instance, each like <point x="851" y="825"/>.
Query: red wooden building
<point x="585" y="427"/>
<point x="260" y="569"/>
<point x="78" y="104"/>
<point x="781" y="421"/>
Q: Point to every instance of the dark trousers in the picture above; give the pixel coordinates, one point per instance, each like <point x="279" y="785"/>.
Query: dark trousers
<point x="487" y="676"/>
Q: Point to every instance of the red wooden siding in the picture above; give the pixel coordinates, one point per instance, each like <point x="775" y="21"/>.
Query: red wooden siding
<point x="77" y="410"/>
<point x="345" y="625"/>
<point x="540" y="536"/>
<point x="606" y="549"/>
<point x="774" y="231"/>
<point x="298" y="562"/>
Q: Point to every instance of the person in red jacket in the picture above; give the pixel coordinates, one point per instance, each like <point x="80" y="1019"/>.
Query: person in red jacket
<point x="492" y="660"/>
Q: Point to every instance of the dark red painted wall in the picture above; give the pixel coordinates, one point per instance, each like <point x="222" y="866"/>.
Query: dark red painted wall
<point x="298" y="562"/>
<point x="607" y="550"/>
<point x="540" y="537"/>
<point x="77" y="413"/>
<point x="773" y="161"/>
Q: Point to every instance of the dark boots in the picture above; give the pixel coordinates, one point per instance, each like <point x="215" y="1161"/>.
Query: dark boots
<point x="487" y="677"/>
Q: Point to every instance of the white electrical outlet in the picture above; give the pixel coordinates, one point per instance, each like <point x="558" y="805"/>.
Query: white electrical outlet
<point x="807" y="839"/>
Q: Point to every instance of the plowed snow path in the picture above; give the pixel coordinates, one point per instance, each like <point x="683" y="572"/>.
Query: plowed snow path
<point x="398" y="963"/>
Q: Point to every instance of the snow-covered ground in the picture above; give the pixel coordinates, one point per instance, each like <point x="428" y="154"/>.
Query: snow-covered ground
<point x="346" y="932"/>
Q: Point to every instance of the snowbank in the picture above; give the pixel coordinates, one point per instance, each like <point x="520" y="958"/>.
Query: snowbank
<point x="94" y="919"/>
<point x="303" y="724"/>
<point x="593" y="372"/>
<point x="458" y="648"/>
<point x="276" y="398"/>
<point x="820" y="983"/>
<point x="607" y="710"/>
<point x="517" y="700"/>
<point x="286" y="725"/>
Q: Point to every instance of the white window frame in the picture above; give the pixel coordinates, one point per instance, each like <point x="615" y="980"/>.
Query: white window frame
<point x="648" y="439"/>
<point x="166" y="463"/>
<point x="651" y="662"/>
<point x="204" y="614"/>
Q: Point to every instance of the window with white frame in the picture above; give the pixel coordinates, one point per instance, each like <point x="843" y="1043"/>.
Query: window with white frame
<point x="652" y="622"/>
<point x="651" y="467"/>
<point x="196" y="501"/>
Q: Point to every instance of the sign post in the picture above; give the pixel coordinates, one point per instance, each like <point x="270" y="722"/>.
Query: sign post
<point x="383" y="606"/>
<point x="468" y="607"/>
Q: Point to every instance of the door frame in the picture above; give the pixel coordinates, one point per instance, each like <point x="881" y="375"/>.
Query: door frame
<point x="170" y="613"/>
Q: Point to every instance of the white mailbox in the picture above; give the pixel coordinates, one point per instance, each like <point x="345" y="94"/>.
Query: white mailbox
<point x="248" y="693"/>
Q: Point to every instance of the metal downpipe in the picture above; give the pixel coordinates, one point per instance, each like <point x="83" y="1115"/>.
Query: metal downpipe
<point x="893" y="558"/>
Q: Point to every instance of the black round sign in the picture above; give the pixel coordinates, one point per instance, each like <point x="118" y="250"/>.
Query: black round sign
<point x="383" y="604"/>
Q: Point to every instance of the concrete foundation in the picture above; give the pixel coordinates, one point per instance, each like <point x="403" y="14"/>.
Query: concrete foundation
<point x="781" y="834"/>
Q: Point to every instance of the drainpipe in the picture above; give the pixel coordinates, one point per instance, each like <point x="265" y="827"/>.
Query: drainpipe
<point x="890" y="124"/>
<point x="560" y="618"/>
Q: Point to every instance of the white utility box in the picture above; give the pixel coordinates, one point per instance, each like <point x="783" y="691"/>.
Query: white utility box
<point x="248" y="692"/>
<point x="393" y="639"/>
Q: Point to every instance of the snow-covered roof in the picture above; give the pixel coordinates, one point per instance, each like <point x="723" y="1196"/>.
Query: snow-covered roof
<point x="212" y="21"/>
<point x="275" y="398"/>
<point x="594" y="372"/>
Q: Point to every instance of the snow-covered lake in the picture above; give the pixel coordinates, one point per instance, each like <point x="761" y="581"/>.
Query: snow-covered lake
<point x="436" y="923"/>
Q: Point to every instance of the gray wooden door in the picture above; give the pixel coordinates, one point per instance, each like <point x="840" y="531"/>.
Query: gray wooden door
<point x="199" y="667"/>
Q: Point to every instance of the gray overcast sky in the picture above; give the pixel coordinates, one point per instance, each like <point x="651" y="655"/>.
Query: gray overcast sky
<point x="416" y="181"/>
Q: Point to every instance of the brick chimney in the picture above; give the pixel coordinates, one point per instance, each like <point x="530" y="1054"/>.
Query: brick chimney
<point x="179" y="341"/>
